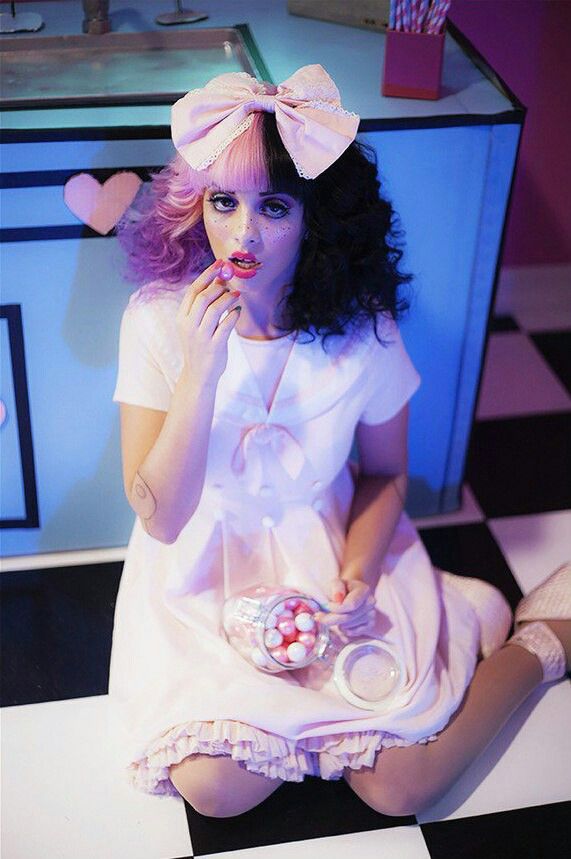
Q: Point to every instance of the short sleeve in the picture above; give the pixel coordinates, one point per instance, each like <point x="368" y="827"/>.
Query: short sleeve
<point x="394" y="379"/>
<point x="140" y="380"/>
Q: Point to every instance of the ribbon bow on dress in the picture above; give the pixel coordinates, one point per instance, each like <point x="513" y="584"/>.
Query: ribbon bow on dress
<point x="247" y="460"/>
<point x="313" y="126"/>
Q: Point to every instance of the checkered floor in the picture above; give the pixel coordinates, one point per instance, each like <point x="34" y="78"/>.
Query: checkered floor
<point x="62" y="797"/>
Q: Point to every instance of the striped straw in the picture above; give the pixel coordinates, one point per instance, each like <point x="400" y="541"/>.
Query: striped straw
<point x="399" y="14"/>
<point x="392" y="14"/>
<point x="437" y="15"/>
<point x="422" y="12"/>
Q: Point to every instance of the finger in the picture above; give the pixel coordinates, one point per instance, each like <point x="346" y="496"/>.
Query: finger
<point x="351" y="602"/>
<point x="227" y="323"/>
<point x="205" y="299"/>
<point x="337" y="590"/>
<point x="203" y="281"/>
<point x="219" y="309"/>
<point x="336" y="618"/>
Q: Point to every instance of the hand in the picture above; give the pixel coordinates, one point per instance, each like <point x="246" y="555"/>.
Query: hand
<point x="351" y="607"/>
<point x="203" y="335"/>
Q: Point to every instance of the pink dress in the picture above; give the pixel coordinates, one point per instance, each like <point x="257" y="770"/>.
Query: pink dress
<point x="275" y="507"/>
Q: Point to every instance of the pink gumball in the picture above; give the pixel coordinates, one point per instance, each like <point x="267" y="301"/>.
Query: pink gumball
<point x="280" y="654"/>
<point x="292" y="603"/>
<point x="282" y="610"/>
<point x="286" y="625"/>
<point x="291" y="637"/>
<point x="307" y="639"/>
<point x="302" y="606"/>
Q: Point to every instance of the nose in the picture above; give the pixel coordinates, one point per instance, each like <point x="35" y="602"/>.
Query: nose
<point x="247" y="228"/>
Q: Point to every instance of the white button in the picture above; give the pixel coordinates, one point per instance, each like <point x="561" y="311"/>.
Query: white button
<point x="317" y="504"/>
<point x="266" y="491"/>
<point x="268" y="522"/>
<point x="217" y="486"/>
<point x="317" y="484"/>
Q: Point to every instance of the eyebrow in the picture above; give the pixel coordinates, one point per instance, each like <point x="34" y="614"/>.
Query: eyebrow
<point x="262" y="193"/>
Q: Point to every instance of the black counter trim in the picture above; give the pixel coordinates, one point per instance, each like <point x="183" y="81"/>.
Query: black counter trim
<point x="13" y="314"/>
<point x="62" y="135"/>
<point x="508" y="117"/>
<point x="493" y="297"/>
<point x="482" y="64"/>
<point x="49" y="233"/>
<point x="58" y="178"/>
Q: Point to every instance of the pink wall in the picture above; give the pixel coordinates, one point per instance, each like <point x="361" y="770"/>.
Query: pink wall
<point x="527" y="42"/>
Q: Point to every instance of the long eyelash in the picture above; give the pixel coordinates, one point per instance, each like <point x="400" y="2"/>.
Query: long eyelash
<point x="283" y="207"/>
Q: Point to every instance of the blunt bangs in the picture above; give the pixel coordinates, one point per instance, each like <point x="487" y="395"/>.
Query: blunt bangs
<point x="255" y="161"/>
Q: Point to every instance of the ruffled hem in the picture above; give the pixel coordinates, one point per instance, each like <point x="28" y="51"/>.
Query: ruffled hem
<point x="260" y="752"/>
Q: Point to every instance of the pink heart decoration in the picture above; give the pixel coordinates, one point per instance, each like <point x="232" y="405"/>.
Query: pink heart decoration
<point x="101" y="206"/>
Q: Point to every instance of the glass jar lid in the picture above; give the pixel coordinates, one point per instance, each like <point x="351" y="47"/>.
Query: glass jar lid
<point x="368" y="674"/>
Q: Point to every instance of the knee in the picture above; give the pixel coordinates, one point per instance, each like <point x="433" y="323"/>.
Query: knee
<point x="205" y="785"/>
<point x="395" y="798"/>
<point x="208" y="797"/>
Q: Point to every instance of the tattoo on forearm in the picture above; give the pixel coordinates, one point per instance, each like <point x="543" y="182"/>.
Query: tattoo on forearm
<point x="144" y="502"/>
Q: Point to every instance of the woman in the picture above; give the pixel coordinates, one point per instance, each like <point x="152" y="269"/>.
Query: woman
<point x="242" y="383"/>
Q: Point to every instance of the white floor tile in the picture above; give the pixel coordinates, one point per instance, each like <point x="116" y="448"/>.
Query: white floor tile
<point x="401" y="842"/>
<point x="517" y="380"/>
<point x="65" y="798"/>
<point x="470" y="511"/>
<point x="534" y="545"/>
<point x="538" y="297"/>
<point x="529" y="763"/>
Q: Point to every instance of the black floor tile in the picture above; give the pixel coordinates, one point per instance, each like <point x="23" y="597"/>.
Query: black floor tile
<point x="521" y="465"/>
<point x="502" y="323"/>
<point x="313" y="808"/>
<point x="556" y="349"/>
<point x="538" y="832"/>
<point x="56" y="632"/>
<point x="471" y="550"/>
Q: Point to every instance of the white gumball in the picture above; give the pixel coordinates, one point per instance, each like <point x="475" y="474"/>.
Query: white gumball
<point x="273" y="638"/>
<point x="304" y="621"/>
<point x="296" y="651"/>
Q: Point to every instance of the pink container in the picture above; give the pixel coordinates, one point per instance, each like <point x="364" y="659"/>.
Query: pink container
<point x="413" y="64"/>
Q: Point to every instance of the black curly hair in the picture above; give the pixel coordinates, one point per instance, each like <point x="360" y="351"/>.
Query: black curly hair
<point x="348" y="268"/>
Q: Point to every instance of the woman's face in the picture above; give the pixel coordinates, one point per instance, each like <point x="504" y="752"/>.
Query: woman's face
<point x="266" y="226"/>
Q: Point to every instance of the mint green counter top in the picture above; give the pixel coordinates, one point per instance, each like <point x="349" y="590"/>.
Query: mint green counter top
<point x="353" y="57"/>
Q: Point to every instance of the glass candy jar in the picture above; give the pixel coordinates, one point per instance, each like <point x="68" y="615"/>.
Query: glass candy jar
<point x="273" y="627"/>
<point x="264" y="623"/>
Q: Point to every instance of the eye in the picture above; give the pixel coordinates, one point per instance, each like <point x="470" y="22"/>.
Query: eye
<point x="277" y="208"/>
<point x="219" y="201"/>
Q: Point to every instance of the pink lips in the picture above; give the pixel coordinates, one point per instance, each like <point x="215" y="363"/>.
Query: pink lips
<point x="241" y="272"/>
<point x="245" y="256"/>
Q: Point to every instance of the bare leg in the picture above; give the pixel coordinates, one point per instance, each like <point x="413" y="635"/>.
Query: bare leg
<point x="407" y="780"/>
<point x="219" y="786"/>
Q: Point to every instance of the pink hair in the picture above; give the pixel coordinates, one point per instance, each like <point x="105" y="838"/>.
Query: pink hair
<point x="163" y="232"/>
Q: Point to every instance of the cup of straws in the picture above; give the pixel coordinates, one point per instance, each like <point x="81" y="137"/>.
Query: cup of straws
<point x="414" y="48"/>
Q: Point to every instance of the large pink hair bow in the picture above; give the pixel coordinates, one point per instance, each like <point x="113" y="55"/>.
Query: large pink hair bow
<point x="313" y="126"/>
